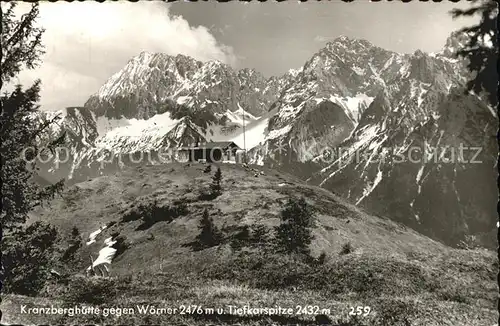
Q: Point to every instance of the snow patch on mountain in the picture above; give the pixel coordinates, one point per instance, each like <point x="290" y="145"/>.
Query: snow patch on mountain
<point x="276" y="133"/>
<point x="141" y="130"/>
<point x="185" y="100"/>
<point x="353" y="106"/>
<point x="239" y="116"/>
<point x="364" y="137"/>
<point x="105" y="125"/>
<point x="368" y="190"/>
<point x="255" y="134"/>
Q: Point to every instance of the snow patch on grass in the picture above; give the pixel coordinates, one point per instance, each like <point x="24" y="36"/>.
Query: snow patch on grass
<point x="94" y="235"/>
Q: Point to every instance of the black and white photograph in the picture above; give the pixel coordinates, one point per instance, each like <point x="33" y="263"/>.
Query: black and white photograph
<point x="249" y="163"/>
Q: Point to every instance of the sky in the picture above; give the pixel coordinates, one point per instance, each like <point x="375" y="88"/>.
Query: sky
<point x="87" y="42"/>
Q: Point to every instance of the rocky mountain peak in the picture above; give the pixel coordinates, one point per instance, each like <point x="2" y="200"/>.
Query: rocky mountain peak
<point x="348" y="43"/>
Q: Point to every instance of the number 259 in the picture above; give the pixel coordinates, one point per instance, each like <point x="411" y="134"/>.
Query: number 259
<point x="358" y="311"/>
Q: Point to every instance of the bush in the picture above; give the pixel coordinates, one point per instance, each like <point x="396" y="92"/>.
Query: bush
<point x="27" y="256"/>
<point x="257" y="237"/>
<point x="456" y="294"/>
<point x="75" y="242"/>
<point x="364" y="277"/>
<point x="262" y="270"/>
<point x="347" y="248"/>
<point x="121" y="244"/>
<point x="91" y="290"/>
<point x="260" y="235"/>
<point x="155" y="213"/>
<point x="394" y="312"/>
<point x="349" y="277"/>
<point x="321" y="258"/>
<point x="294" y="233"/>
<point x="241" y="238"/>
<point x="283" y="272"/>
<point x="152" y="213"/>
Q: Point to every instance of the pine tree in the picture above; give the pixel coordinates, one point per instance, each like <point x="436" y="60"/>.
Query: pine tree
<point x="294" y="234"/>
<point x="482" y="57"/>
<point x="21" y="132"/>
<point x="215" y="187"/>
<point x="27" y="255"/>
<point x="21" y="41"/>
<point x="209" y="234"/>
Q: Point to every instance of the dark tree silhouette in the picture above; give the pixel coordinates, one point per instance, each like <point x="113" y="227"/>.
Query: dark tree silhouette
<point x="215" y="187"/>
<point x="294" y="234"/>
<point x="21" y="132"/>
<point x="209" y="235"/>
<point x="482" y="56"/>
<point x="27" y="257"/>
<point x="21" y="128"/>
<point x="483" y="60"/>
<point x="21" y="42"/>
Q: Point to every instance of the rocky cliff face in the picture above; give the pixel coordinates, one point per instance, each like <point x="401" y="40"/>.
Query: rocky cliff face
<point x="141" y="88"/>
<point x="351" y="119"/>
<point x="423" y="153"/>
<point x="436" y="175"/>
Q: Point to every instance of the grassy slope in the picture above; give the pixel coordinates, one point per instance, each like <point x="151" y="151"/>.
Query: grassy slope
<point x="393" y="269"/>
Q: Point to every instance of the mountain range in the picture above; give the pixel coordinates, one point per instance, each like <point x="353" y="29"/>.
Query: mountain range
<point x="380" y="128"/>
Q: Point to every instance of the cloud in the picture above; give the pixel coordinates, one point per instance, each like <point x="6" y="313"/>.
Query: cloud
<point x="322" y="39"/>
<point x="87" y="42"/>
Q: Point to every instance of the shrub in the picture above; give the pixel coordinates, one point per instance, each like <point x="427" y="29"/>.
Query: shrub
<point x="121" y="244"/>
<point x="262" y="270"/>
<point x="152" y="213"/>
<point x="282" y="272"/>
<point x="75" y="242"/>
<point x="27" y="256"/>
<point x="241" y="238"/>
<point x="457" y="294"/>
<point x="321" y="258"/>
<point x="394" y="312"/>
<point x="260" y="235"/>
<point x="91" y="290"/>
<point x="347" y="248"/>
<point x="294" y="233"/>
<point x="347" y="276"/>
